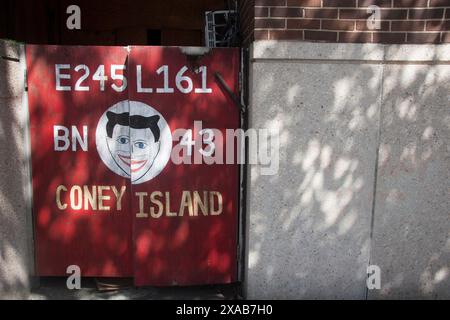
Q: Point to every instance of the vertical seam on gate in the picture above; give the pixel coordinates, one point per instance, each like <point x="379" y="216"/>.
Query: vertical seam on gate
<point x="242" y="221"/>
<point x="133" y="215"/>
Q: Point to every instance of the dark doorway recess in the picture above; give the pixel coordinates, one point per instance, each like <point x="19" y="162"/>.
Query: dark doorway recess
<point x="153" y="37"/>
<point x="113" y="22"/>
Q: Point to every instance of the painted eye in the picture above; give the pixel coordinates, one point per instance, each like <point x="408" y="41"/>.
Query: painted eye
<point x="140" y="145"/>
<point x="123" y="140"/>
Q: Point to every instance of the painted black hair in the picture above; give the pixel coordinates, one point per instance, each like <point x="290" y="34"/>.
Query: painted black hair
<point x="135" y="122"/>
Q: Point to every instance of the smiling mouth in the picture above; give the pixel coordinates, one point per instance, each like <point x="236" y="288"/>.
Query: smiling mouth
<point x="135" y="165"/>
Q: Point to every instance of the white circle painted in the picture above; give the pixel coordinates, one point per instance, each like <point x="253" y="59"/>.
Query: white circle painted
<point x="133" y="140"/>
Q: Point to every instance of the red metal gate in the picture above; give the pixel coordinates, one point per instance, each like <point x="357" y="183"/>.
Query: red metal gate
<point x="127" y="146"/>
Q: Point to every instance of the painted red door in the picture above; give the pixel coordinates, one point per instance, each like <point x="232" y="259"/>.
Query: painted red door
<point x="81" y="208"/>
<point x="185" y="224"/>
<point x="129" y="153"/>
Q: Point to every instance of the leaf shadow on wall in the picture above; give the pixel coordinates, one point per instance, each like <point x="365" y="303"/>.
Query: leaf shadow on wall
<point x="314" y="226"/>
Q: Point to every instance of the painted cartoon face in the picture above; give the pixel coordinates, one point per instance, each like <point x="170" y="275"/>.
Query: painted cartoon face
<point x="133" y="143"/>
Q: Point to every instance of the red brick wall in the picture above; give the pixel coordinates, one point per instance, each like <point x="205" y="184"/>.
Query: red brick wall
<point x="402" y="21"/>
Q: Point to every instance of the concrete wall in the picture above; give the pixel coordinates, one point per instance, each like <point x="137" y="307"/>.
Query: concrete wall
<point x="364" y="171"/>
<point x="16" y="258"/>
<point x="411" y="234"/>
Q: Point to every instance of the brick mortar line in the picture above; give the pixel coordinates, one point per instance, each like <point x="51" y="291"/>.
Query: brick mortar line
<point x="355" y="19"/>
<point x="353" y="31"/>
<point x="356" y="8"/>
<point x="361" y="8"/>
<point x="359" y="19"/>
<point x="350" y="61"/>
<point x="339" y="18"/>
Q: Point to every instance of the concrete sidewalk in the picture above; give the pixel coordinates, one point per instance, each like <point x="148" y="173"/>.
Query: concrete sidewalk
<point x="55" y="289"/>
